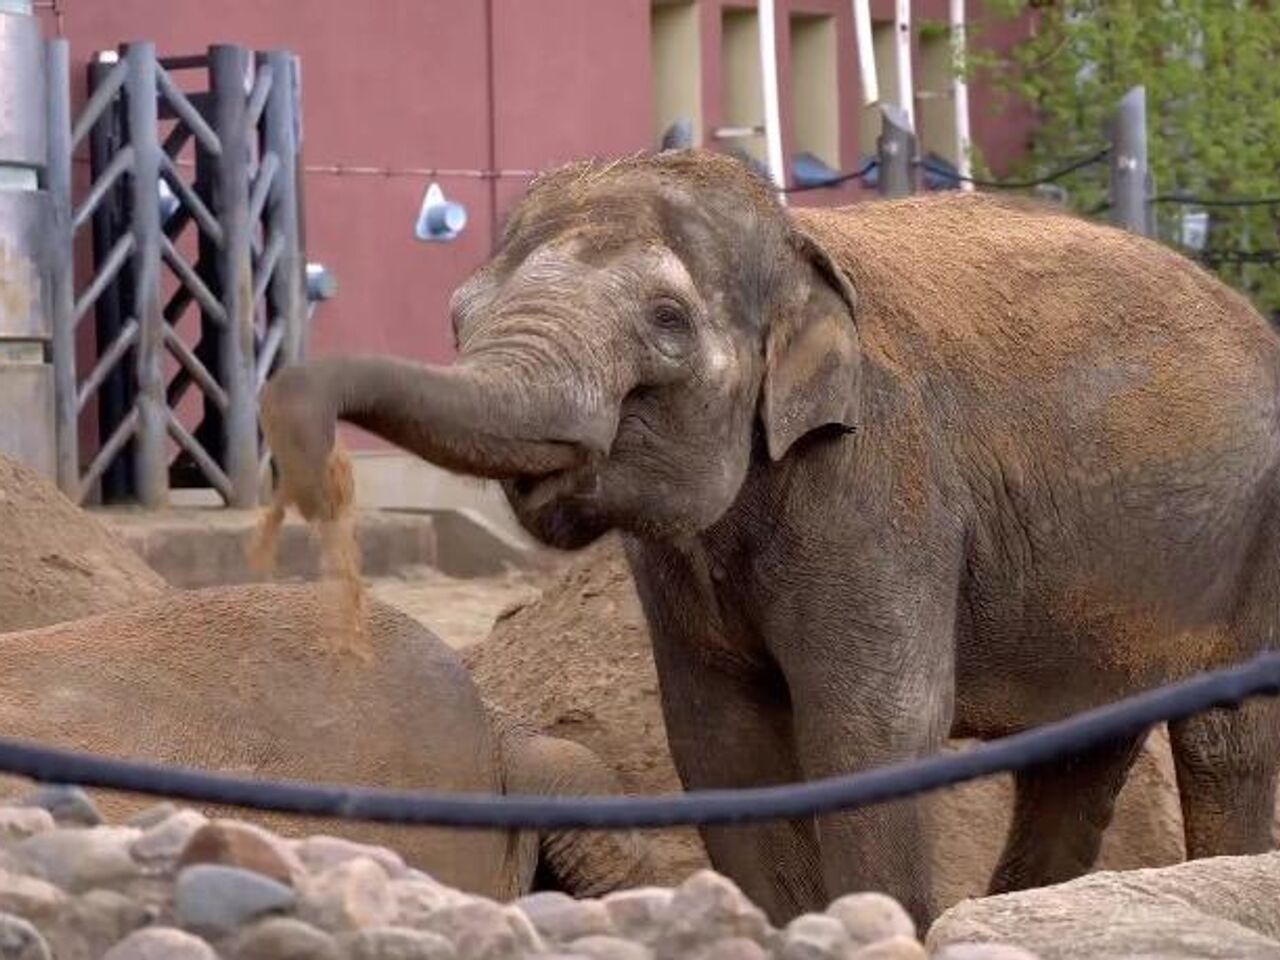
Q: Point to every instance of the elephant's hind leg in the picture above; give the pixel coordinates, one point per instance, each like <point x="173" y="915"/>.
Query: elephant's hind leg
<point x="1060" y="812"/>
<point x="1226" y="762"/>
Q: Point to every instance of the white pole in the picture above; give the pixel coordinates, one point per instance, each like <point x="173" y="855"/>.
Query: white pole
<point x="769" y="81"/>
<point x="960" y="94"/>
<point x="902" y="37"/>
<point x="865" y="40"/>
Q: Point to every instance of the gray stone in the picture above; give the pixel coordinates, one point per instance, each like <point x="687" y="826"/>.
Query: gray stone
<point x="282" y="938"/>
<point x="897" y="947"/>
<point x="161" y="843"/>
<point x="36" y="900"/>
<point x="18" y="823"/>
<point x="215" y="900"/>
<point x="638" y="914"/>
<point x="352" y="895"/>
<point x="161" y="943"/>
<point x="813" y="936"/>
<point x="319" y="853"/>
<point x="983" y="951"/>
<point x="478" y="930"/>
<point x="397" y="943"/>
<point x="706" y="908"/>
<point x="733" y="948"/>
<point x="610" y="948"/>
<point x="148" y="817"/>
<point x="561" y="918"/>
<point x="70" y="806"/>
<point x="416" y="899"/>
<point x="869" y="917"/>
<point x="527" y="936"/>
<point x="19" y="940"/>
<point x="87" y="926"/>
<point x="79" y="859"/>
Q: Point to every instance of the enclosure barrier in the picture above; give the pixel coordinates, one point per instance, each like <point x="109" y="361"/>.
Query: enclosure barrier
<point x="1217" y="689"/>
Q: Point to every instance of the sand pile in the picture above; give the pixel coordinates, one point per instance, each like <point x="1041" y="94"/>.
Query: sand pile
<point x="56" y="562"/>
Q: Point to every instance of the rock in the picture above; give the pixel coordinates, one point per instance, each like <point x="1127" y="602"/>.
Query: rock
<point x="161" y="943"/>
<point x="734" y="948"/>
<point x="561" y="918"/>
<point x="162" y="842"/>
<point x="814" y="936"/>
<point x="319" y="853"/>
<point x="415" y="899"/>
<point x="869" y="917"/>
<point x="18" y="823"/>
<point x="70" y="806"/>
<point x="30" y="898"/>
<point x="397" y="943"/>
<point x="708" y="907"/>
<point x="528" y="938"/>
<point x="19" y="940"/>
<point x="214" y="900"/>
<point x="609" y="948"/>
<point x="478" y="930"/>
<point x="148" y="817"/>
<point x="352" y="895"/>
<point x="87" y="926"/>
<point x="234" y="844"/>
<point x="983" y="951"/>
<point x="77" y="859"/>
<point x="283" y="938"/>
<point x="897" y="947"/>
<point x="638" y="914"/>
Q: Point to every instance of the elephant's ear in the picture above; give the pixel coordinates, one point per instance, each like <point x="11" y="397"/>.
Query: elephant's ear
<point x="812" y="359"/>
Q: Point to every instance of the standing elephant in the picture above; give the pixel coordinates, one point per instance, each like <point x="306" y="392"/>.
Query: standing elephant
<point x="942" y="465"/>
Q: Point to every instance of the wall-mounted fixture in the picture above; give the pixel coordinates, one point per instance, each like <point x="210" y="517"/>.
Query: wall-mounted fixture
<point x="439" y="219"/>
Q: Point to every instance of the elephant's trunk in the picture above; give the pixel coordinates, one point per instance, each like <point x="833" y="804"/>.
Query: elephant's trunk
<point x="476" y="418"/>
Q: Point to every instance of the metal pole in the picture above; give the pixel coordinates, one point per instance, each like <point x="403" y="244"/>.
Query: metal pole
<point x="960" y="93"/>
<point x="897" y="148"/>
<point x="1129" y="171"/>
<point x="228" y="70"/>
<point x="902" y="38"/>
<point x="768" y="23"/>
<point x="865" y="41"/>
<point x="61" y="264"/>
<point x="287" y="296"/>
<point x="152" y="472"/>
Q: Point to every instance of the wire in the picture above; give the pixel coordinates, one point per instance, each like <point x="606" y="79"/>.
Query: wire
<point x="1210" y="202"/>
<point x="836" y="180"/>
<point x="1016" y="184"/>
<point x="1092" y="728"/>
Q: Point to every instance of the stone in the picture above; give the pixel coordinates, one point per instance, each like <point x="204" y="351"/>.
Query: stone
<point x="527" y="936"/>
<point x="897" y="947"/>
<point x="235" y="844"/>
<point x="610" y="948"/>
<point x="70" y="806"/>
<point x="18" y="823"/>
<point x="478" y="930"/>
<point x="560" y="918"/>
<point x="733" y="948"/>
<point x="813" y="936"/>
<point x="148" y="817"/>
<point x="214" y="900"/>
<point x="983" y="951"/>
<point x="78" y="859"/>
<point x="320" y="852"/>
<point x="87" y="926"/>
<point x="282" y="938"/>
<point x="414" y="899"/>
<point x="397" y="943"/>
<point x="161" y="943"/>
<point x="162" y="842"/>
<point x="869" y="917"/>
<point x="638" y="914"/>
<point x="708" y="907"/>
<point x="19" y="940"/>
<point x="28" y="897"/>
<point x="354" y="894"/>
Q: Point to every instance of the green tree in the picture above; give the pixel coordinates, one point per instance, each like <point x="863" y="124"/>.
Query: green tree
<point x="1211" y="69"/>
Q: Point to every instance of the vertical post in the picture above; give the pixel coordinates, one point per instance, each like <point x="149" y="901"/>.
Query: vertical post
<point x="287" y="295"/>
<point x="1129" y="162"/>
<point x="62" y="293"/>
<point x="902" y="40"/>
<point x="865" y="40"/>
<point x="150" y="452"/>
<point x="768" y="23"/>
<point x="897" y="148"/>
<point x="960" y="93"/>
<point x="228" y="72"/>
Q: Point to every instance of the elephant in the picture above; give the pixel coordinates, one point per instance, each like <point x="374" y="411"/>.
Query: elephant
<point x="945" y="465"/>
<point x="238" y="679"/>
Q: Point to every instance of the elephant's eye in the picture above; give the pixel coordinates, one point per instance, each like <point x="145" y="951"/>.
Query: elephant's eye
<point x="669" y="316"/>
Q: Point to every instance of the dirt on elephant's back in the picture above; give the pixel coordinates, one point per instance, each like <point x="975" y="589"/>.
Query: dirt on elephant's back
<point x="576" y="662"/>
<point x="56" y="561"/>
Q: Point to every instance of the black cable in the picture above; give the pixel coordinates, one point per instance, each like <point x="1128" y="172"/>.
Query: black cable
<point x="836" y="180"/>
<point x="1015" y="184"/>
<point x="1210" y="202"/>
<point x="1222" y="688"/>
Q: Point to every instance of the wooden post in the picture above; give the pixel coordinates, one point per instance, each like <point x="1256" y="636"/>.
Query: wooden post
<point x="150" y="452"/>
<point x="228" y="69"/>
<point x="897" y="149"/>
<point x="287" y="295"/>
<point x="61" y="265"/>
<point x="1129" y="175"/>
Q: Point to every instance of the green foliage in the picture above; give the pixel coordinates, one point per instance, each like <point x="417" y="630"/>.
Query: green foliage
<point x="1211" y="69"/>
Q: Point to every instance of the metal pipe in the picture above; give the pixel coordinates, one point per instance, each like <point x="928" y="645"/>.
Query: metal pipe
<point x="767" y="23"/>
<point x="865" y="40"/>
<point x="902" y="38"/>
<point x="960" y="93"/>
<point x="1129" y="162"/>
<point x="62" y="305"/>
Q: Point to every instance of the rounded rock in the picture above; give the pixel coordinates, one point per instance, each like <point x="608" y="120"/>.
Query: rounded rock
<point x="560" y="918"/>
<point x="397" y="943"/>
<point x="18" y="823"/>
<point x="29" y="897"/>
<point x="478" y="930"/>
<point x="77" y="859"/>
<point x="148" y="817"/>
<point x="90" y="924"/>
<point x="70" y="806"/>
<point x="527" y="936"/>
<point x="216" y="900"/>
<point x="416" y="899"/>
<point x="162" y="842"/>
<point x="283" y="938"/>
<point x="734" y="948"/>
<point x="160" y="943"/>
<point x="869" y="917"/>
<point x="984" y="951"/>
<point x="814" y="936"/>
<point x="897" y="947"/>
<point x="610" y="948"/>
<point x="234" y="844"/>
<point x="709" y="907"/>
<point x="320" y="853"/>
<point x="352" y="895"/>
<point x="20" y="940"/>
<point x="638" y="914"/>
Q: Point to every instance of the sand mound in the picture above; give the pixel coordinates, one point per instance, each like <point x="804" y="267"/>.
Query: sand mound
<point x="576" y="662"/>
<point x="56" y="561"/>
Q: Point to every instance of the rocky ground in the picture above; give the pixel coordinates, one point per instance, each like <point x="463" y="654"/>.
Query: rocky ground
<point x="173" y="885"/>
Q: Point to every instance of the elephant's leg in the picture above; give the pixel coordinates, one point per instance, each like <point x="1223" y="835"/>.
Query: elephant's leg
<point x="1060" y="813"/>
<point x="1227" y="762"/>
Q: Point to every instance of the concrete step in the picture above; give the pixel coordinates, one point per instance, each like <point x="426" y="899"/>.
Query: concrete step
<point x="201" y="547"/>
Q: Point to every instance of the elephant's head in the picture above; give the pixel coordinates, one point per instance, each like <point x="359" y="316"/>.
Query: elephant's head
<point x="645" y="328"/>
